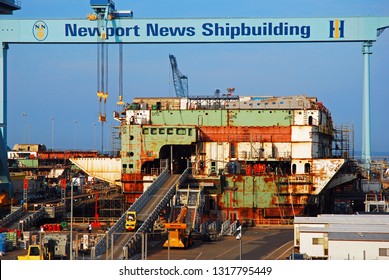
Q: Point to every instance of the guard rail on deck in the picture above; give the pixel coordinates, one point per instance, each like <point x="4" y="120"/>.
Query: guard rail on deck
<point x="137" y="206"/>
<point x="210" y="229"/>
<point x="279" y="222"/>
<point x="225" y="227"/>
<point x="133" y="246"/>
<point x="14" y="216"/>
<point x="214" y="226"/>
<point x="233" y="228"/>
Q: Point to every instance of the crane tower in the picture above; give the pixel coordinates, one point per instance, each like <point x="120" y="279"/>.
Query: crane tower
<point x="104" y="11"/>
<point x="180" y="81"/>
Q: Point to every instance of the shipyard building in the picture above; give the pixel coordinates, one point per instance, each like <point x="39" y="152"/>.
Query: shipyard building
<point x="343" y="237"/>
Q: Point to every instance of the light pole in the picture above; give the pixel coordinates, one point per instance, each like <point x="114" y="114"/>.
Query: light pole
<point x="24" y="115"/>
<point x="75" y="135"/>
<point x="29" y="129"/>
<point x="52" y="133"/>
<point x="168" y="245"/>
<point x="71" y="221"/>
<point x="239" y="237"/>
<point x="144" y="245"/>
<point x="94" y="136"/>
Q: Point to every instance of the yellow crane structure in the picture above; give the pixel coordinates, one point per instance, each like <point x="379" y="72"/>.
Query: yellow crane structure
<point x="179" y="235"/>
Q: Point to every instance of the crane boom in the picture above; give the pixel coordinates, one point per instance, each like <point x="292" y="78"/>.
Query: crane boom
<point x="180" y="81"/>
<point x="179" y="235"/>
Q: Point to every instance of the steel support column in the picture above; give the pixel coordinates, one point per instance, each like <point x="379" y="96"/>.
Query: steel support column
<point x="366" y="105"/>
<point x="5" y="179"/>
<point x="3" y="93"/>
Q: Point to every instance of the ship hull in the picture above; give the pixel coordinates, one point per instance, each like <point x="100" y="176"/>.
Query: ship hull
<point x="253" y="158"/>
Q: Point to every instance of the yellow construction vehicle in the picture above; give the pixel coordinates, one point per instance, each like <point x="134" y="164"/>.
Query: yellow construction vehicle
<point x="179" y="236"/>
<point x="33" y="253"/>
<point x="53" y="246"/>
<point x="131" y="220"/>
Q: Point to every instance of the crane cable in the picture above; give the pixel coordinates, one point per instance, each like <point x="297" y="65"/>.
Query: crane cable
<point x="102" y="77"/>
<point x="120" y="103"/>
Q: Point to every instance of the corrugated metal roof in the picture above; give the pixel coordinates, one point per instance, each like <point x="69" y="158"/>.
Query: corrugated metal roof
<point x="344" y="219"/>
<point x="380" y="229"/>
<point x="354" y="236"/>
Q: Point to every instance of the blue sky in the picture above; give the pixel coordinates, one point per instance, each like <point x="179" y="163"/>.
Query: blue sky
<point x="59" y="81"/>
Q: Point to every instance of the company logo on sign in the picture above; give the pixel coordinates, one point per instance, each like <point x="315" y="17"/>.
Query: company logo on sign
<point x="40" y="30"/>
<point x="336" y="29"/>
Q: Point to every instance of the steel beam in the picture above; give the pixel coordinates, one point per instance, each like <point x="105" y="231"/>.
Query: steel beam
<point x="366" y="50"/>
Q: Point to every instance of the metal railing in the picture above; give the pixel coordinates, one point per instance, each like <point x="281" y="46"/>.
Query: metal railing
<point x="215" y="226"/>
<point x="32" y="220"/>
<point x="225" y="227"/>
<point x="233" y="228"/>
<point x="133" y="246"/>
<point x="279" y="222"/>
<point x="137" y="206"/>
<point x="13" y="217"/>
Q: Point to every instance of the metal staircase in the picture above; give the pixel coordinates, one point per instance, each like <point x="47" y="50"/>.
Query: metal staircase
<point x="148" y="206"/>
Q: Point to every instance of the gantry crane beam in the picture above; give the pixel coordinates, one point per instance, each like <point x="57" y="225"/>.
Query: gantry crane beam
<point x="123" y="29"/>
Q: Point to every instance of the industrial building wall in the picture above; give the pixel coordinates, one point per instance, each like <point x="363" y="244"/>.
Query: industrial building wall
<point x="298" y="225"/>
<point x="313" y="244"/>
<point x="356" y="250"/>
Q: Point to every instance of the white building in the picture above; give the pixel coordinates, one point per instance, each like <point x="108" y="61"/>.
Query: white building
<point x="343" y="237"/>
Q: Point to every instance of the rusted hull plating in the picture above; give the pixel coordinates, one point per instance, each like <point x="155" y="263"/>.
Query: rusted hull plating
<point x="264" y="196"/>
<point x="132" y="186"/>
<point x="245" y="134"/>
